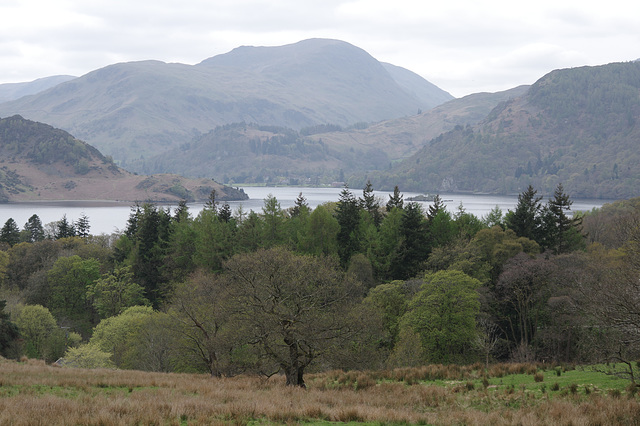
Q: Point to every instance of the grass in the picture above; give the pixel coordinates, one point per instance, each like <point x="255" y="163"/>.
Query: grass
<point x="35" y="393"/>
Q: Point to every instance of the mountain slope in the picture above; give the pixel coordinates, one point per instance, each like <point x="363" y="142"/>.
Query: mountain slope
<point x="133" y="110"/>
<point x="11" y="91"/>
<point x="321" y="154"/>
<point x="577" y="126"/>
<point x="39" y="162"/>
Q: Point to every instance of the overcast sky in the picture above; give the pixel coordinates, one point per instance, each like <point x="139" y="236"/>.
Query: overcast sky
<point x="461" y="46"/>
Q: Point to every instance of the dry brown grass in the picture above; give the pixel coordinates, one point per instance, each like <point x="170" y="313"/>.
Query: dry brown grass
<point x="34" y="393"/>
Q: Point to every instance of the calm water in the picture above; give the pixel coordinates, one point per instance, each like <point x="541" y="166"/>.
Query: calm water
<point x="108" y="217"/>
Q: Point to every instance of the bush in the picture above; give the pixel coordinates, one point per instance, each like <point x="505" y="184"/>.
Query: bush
<point x="87" y="356"/>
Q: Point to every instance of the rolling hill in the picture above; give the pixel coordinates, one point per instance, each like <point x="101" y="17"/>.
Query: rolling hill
<point x="578" y="126"/>
<point x="39" y="162"/>
<point x="11" y="91"/>
<point x="134" y="110"/>
<point x="241" y="152"/>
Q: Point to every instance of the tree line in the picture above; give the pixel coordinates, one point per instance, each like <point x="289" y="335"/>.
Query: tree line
<point x="359" y="283"/>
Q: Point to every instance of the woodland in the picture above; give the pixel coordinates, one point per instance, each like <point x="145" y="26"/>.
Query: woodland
<point x="359" y="284"/>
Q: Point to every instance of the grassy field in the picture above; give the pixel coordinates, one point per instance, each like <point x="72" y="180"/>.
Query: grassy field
<point x="34" y="393"/>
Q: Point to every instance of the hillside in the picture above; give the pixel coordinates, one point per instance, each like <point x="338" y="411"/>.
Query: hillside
<point x="39" y="162"/>
<point x="576" y="126"/>
<point x="245" y="153"/>
<point x="134" y="110"/>
<point x="11" y="91"/>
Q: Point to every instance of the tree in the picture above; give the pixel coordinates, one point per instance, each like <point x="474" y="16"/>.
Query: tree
<point x="414" y="247"/>
<point x="64" y="229"/>
<point x="435" y="207"/>
<point x="300" y="206"/>
<point x="443" y="314"/>
<point x="68" y="280"/>
<point x="273" y="217"/>
<point x="42" y="336"/>
<point x="320" y="233"/>
<point x="395" y="200"/>
<point x="8" y="330"/>
<point x="10" y="233"/>
<point x="369" y="203"/>
<point x="34" y="230"/>
<point x="348" y="216"/>
<point x="525" y="221"/>
<point x="117" y="335"/>
<point x="82" y="226"/>
<point x="87" y="356"/>
<point x="114" y="292"/>
<point x="294" y="307"/>
<point x="560" y="233"/>
<point x="203" y="315"/>
<point x="521" y="293"/>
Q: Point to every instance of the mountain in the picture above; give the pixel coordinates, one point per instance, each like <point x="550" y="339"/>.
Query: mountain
<point x="11" y="91"/>
<point x="320" y="154"/>
<point x="579" y="127"/>
<point x="39" y="162"/>
<point x="134" y="110"/>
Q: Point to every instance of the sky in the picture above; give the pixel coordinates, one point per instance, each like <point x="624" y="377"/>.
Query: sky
<point x="461" y="46"/>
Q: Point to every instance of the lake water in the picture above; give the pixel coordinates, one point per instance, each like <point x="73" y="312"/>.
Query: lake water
<point x="107" y="217"/>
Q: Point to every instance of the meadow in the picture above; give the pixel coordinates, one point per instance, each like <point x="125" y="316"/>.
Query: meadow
<point x="33" y="393"/>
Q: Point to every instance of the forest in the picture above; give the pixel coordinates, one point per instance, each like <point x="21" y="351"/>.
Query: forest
<point x="362" y="283"/>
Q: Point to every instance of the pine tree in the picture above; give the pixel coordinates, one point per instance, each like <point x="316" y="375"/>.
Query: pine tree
<point x="434" y="208"/>
<point x="299" y="206"/>
<point x="10" y="232"/>
<point x="64" y="229"/>
<point x="526" y="220"/>
<point x="369" y="203"/>
<point x="348" y="216"/>
<point x="34" y="230"/>
<point x="82" y="226"/>
<point x="560" y="233"/>
<point x="395" y="200"/>
<point x="224" y="215"/>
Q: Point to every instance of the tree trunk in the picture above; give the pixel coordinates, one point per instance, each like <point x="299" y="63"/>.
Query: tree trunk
<point x="294" y="371"/>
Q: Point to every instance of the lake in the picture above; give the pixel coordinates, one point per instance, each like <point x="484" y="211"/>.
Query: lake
<point x="107" y="217"/>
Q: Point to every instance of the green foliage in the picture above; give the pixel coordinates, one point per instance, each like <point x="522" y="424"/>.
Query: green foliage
<point x="42" y="337"/>
<point x="10" y="233"/>
<point x="87" y="356"/>
<point x="114" y="292"/>
<point x="8" y="330"/>
<point x="68" y="280"/>
<point x="116" y="335"/>
<point x="443" y="315"/>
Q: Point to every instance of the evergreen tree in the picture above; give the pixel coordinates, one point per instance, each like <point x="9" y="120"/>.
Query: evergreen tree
<point x="64" y="229"/>
<point x="10" y="232"/>
<point x="82" y="226"/>
<point x="369" y="203"/>
<point x="299" y="206"/>
<point x="224" y="215"/>
<point x="414" y="248"/>
<point x="395" y="200"/>
<point x="182" y="212"/>
<point x="526" y="220"/>
<point x="560" y="233"/>
<point x="211" y="203"/>
<point x="348" y="216"/>
<point x="33" y="229"/>
<point x="434" y="208"/>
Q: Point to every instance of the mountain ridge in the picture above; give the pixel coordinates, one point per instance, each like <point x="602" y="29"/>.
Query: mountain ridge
<point x="133" y="110"/>
<point x="41" y="163"/>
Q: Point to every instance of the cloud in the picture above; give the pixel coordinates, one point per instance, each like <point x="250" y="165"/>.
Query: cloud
<point x="463" y="46"/>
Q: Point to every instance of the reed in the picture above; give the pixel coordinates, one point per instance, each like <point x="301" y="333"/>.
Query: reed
<point x="34" y="393"/>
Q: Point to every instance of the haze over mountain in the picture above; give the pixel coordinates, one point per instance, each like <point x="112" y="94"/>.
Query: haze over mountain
<point x="39" y="162"/>
<point x="321" y="154"/>
<point x="11" y="91"/>
<point x="579" y="127"/>
<point x="134" y="110"/>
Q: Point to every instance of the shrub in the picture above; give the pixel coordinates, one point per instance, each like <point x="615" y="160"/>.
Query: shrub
<point x="538" y="377"/>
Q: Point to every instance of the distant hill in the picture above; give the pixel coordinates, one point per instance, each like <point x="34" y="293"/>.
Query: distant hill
<point x="577" y="126"/>
<point x="134" y="110"/>
<point x="39" y="162"/>
<point x="320" y="154"/>
<point x="11" y="91"/>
